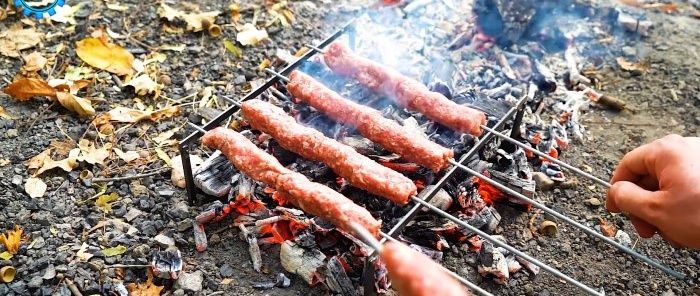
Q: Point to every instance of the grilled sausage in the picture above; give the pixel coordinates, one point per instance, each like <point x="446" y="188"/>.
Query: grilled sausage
<point x="406" y="92"/>
<point x="370" y="123"/>
<point x="359" y="170"/>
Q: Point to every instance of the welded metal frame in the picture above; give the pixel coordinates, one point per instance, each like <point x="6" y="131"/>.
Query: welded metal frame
<point x="513" y="116"/>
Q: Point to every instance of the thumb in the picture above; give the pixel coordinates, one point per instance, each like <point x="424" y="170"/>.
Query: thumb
<point x="629" y="198"/>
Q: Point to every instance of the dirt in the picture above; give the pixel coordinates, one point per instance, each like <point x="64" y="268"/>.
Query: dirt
<point x="671" y="50"/>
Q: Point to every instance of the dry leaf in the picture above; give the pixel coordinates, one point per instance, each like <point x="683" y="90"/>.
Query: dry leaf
<point x="92" y="154"/>
<point x="145" y="289"/>
<point x="235" y="10"/>
<point x="164" y="156"/>
<point x="35" y="187"/>
<point x="83" y="255"/>
<point x="16" y="39"/>
<point x="38" y="160"/>
<point x="11" y="239"/>
<point x="144" y="85"/>
<point x="105" y="201"/>
<point x="250" y="35"/>
<point x="34" y="62"/>
<point x="126" y="115"/>
<point x="62" y="147"/>
<point x="164" y="137"/>
<point x="128" y="156"/>
<point x="25" y="88"/>
<point x="4" y="114"/>
<point x="607" y="228"/>
<point x="167" y="12"/>
<point x="177" y="175"/>
<point x="199" y="21"/>
<point x="106" y="56"/>
<point x="637" y="68"/>
<point x="67" y="164"/>
<point x="76" y="104"/>
<point x="117" y="7"/>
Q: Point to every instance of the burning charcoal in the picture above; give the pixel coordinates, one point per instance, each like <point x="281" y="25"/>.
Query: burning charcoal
<point x="360" y="144"/>
<point x="435" y="255"/>
<point x="493" y="263"/>
<point x="301" y="261"/>
<point x="375" y="277"/>
<point x="214" y="175"/>
<point x="532" y="268"/>
<point x="514" y="182"/>
<point x="513" y="264"/>
<point x="486" y="219"/>
<point x="553" y="170"/>
<point x="285" y="157"/>
<point x="335" y="277"/>
<point x="441" y="199"/>
<point x="167" y="264"/>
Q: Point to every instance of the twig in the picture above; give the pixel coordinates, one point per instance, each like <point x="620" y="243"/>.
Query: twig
<point x="41" y="114"/>
<point x="139" y="43"/>
<point x="127" y="266"/>
<point x="216" y="293"/>
<point x="71" y="285"/>
<point x="138" y="176"/>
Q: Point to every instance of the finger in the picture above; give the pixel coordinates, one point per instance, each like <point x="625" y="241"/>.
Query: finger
<point x="633" y="165"/>
<point x="629" y="198"/>
<point x="649" y="183"/>
<point x="644" y="229"/>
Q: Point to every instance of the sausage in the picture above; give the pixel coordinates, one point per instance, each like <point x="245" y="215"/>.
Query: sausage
<point x="414" y="274"/>
<point x="359" y="170"/>
<point x="406" y="92"/>
<point x="369" y="123"/>
<point x="311" y="197"/>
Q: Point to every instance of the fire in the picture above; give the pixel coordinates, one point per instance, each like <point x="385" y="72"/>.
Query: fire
<point x="488" y="192"/>
<point x="244" y="205"/>
<point x="401" y="167"/>
<point x="281" y="231"/>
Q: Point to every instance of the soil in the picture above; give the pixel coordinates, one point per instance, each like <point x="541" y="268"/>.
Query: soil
<point x="671" y="50"/>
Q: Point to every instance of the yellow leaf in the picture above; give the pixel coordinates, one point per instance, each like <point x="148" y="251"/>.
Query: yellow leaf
<point x="105" y="201"/>
<point x="106" y="56"/>
<point x="162" y="138"/>
<point x="164" y="156"/>
<point x="118" y="250"/>
<point x="35" y="187"/>
<point x="83" y="255"/>
<point x="5" y="255"/>
<point x="145" y="289"/>
<point x="38" y="160"/>
<point x="16" y="39"/>
<point x="126" y="115"/>
<point x="117" y="7"/>
<point x="4" y="114"/>
<point x="92" y="154"/>
<point x="76" y="104"/>
<point x="11" y="239"/>
<point x="232" y="48"/>
<point x="67" y="164"/>
<point x="25" y="88"/>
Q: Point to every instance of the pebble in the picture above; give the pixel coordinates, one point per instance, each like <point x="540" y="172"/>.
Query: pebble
<point x="226" y="270"/>
<point x="544" y="183"/>
<point x="35" y="282"/>
<point x="179" y="292"/>
<point x="39" y="242"/>
<point x="12" y="133"/>
<point x="629" y="51"/>
<point x="593" y="202"/>
<point x="166" y="192"/>
<point x="164" y="241"/>
<point x="17" y="180"/>
<point x="132" y="214"/>
<point x="623" y="238"/>
<point x="50" y="272"/>
<point x="141" y="251"/>
<point x="184" y="225"/>
<point x="191" y="282"/>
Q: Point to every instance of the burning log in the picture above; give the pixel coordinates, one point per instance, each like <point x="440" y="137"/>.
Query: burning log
<point x="335" y="277"/>
<point x="253" y="247"/>
<point x="213" y="176"/>
<point x="303" y="262"/>
<point x="493" y="263"/>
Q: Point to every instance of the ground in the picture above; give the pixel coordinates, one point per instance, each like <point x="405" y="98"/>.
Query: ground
<point x="60" y="217"/>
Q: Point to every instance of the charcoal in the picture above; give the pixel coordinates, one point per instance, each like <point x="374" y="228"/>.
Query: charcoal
<point x="493" y="263"/>
<point x="335" y="277"/>
<point x="214" y="175"/>
<point x="301" y="261"/>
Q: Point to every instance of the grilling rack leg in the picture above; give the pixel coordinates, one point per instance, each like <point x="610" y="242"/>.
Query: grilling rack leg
<point x="367" y="237"/>
<point x="580" y="226"/>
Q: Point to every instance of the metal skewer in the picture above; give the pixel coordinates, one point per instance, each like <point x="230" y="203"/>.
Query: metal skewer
<point x="369" y="239"/>
<point x="280" y="76"/>
<point x="580" y="226"/>
<point x="552" y="159"/>
<point x="321" y="51"/>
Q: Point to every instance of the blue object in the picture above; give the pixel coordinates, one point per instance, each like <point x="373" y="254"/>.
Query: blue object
<point x="38" y="13"/>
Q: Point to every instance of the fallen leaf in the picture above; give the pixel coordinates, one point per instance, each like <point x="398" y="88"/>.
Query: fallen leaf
<point x="167" y="12"/>
<point x="637" y="67"/>
<point x="62" y="147"/>
<point x="126" y="115"/>
<point x="118" y="250"/>
<point x="76" y="104"/>
<point x="16" y="38"/>
<point x="66" y="14"/>
<point x="163" y="138"/>
<point x="34" y="62"/>
<point x="5" y="255"/>
<point x="250" y="35"/>
<point x="164" y="156"/>
<point x="91" y="154"/>
<point x="279" y="12"/>
<point x="67" y="164"/>
<point x="235" y="10"/>
<point x="144" y="85"/>
<point x="11" y="239"/>
<point x="128" y="156"/>
<point x="200" y="21"/>
<point x="4" y="114"/>
<point x="83" y="255"/>
<point x="78" y="73"/>
<point x="105" y="201"/>
<point x="226" y="281"/>
<point x="35" y="187"/>
<point x="178" y="48"/>
<point x="38" y="160"/>
<point x="106" y="56"/>
<point x="232" y="48"/>
<point x="117" y="7"/>
<point x="145" y="289"/>
<point x="25" y="88"/>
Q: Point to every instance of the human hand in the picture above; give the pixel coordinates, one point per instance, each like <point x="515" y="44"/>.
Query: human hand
<point x="658" y="185"/>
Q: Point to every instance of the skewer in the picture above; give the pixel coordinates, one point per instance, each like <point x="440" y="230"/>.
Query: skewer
<point x="197" y="127"/>
<point x="316" y="49"/>
<point x="513" y="250"/>
<point x="232" y="101"/>
<point x="367" y="237"/>
<point x="552" y="159"/>
<point x="280" y="76"/>
<point x="580" y="226"/>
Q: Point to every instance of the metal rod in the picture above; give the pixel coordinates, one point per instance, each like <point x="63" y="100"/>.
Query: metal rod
<point x="584" y="228"/>
<point x="232" y="101"/>
<point x="513" y="250"/>
<point x="197" y="127"/>
<point x="321" y="51"/>
<point x="461" y="279"/>
<point x="184" y="150"/>
<point x="371" y="241"/>
<point x="552" y="159"/>
<point x="280" y="76"/>
<point x="279" y="94"/>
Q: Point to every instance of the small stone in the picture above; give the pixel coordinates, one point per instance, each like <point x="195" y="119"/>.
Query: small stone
<point x="141" y="251"/>
<point x="50" y="272"/>
<point x="179" y="292"/>
<point x="543" y="181"/>
<point x="239" y="80"/>
<point x="593" y="202"/>
<point x="164" y="241"/>
<point x="191" y="282"/>
<point x="226" y="270"/>
<point x="623" y="238"/>
<point x="184" y="225"/>
<point x="35" y="282"/>
<point x="214" y="239"/>
<point x="132" y="214"/>
<point x="17" y="180"/>
<point x="164" y="80"/>
<point x="668" y="293"/>
<point x="166" y="192"/>
<point x="12" y="133"/>
<point x="39" y="242"/>
<point x="629" y="51"/>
